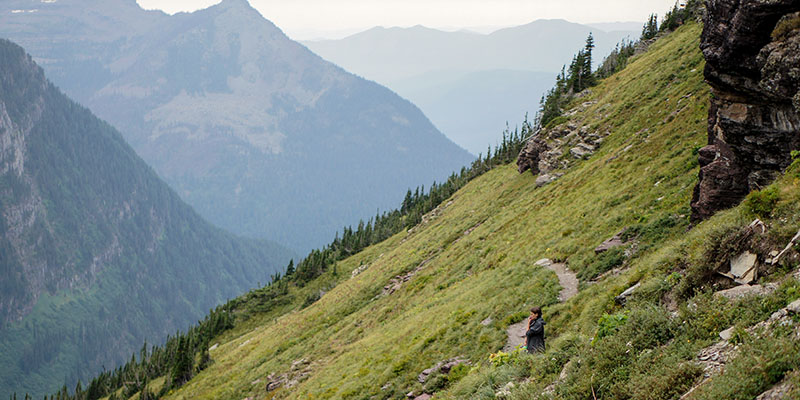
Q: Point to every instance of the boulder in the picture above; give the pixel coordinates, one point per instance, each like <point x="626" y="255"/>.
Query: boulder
<point x="580" y="152"/>
<point x="544" y="262"/>
<point x="530" y="155"/>
<point x="544" y="179"/>
<point x="794" y="307"/>
<point x="746" y="290"/>
<point x="442" y="367"/>
<point x="727" y="334"/>
<point x="743" y="268"/>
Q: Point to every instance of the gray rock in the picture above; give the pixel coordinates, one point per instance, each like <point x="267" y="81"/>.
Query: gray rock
<point x="778" y="392"/>
<point x="545" y="262"/>
<point x="727" y="334"/>
<point x="743" y="268"/>
<point x="544" y="179"/>
<point x="623" y="297"/>
<point x="579" y="152"/>
<point x="745" y="291"/>
<point x="794" y="307"/>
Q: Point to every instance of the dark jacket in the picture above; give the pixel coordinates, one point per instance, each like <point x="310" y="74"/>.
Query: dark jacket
<point x="534" y="337"/>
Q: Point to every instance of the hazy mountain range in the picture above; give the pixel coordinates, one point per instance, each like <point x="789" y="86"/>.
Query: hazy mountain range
<point x="258" y="134"/>
<point x="97" y="254"/>
<point x="470" y="84"/>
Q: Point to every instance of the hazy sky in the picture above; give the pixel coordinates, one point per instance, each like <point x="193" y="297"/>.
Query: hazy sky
<point x="309" y="17"/>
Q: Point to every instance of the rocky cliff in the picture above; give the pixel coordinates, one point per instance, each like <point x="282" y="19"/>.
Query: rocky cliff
<point x="752" y="52"/>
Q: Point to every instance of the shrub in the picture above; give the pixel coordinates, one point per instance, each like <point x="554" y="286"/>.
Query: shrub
<point x="762" y="362"/>
<point x="785" y="26"/>
<point x="761" y="202"/>
<point x="667" y="382"/>
<point x="647" y="327"/>
<point x="609" y="324"/>
<point x="723" y="245"/>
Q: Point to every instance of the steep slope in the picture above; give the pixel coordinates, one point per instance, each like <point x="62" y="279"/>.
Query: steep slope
<point x="450" y="287"/>
<point x="645" y="321"/>
<point x="468" y="84"/>
<point x="96" y="253"/>
<point x="260" y="135"/>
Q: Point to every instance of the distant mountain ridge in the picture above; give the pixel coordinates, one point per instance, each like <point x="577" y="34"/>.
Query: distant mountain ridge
<point x="260" y="135"/>
<point x="469" y="84"/>
<point x="97" y="254"/>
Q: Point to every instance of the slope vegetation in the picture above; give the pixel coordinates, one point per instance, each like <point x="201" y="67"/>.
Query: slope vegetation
<point x="474" y="263"/>
<point x="97" y="254"/>
<point x="444" y="292"/>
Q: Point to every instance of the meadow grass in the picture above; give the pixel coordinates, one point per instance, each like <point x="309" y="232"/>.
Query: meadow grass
<point x="476" y="262"/>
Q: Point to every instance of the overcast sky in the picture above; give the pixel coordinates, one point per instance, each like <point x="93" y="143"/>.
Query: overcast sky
<point x="303" y="19"/>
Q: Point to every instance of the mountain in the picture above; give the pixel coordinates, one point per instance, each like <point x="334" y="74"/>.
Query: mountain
<point x="468" y="84"/>
<point x="97" y="254"/>
<point x="258" y="134"/>
<point x="640" y="302"/>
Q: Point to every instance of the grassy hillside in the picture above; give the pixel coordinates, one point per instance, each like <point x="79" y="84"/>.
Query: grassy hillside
<point x="472" y="273"/>
<point x="358" y="341"/>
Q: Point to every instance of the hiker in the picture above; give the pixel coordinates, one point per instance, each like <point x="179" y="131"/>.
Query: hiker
<point x="534" y="337"/>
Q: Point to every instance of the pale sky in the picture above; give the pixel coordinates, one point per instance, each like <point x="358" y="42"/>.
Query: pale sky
<point x="302" y="19"/>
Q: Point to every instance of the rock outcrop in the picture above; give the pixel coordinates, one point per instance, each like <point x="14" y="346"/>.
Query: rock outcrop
<point x="752" y="52"/>
<point x="544" y="153"/>
<point x="530" y="155"/>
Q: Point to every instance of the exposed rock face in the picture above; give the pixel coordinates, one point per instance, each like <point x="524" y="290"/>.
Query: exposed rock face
<point x="530" y="155"/>
<point x="543" y="152"/>
<point x="754" y="117"/>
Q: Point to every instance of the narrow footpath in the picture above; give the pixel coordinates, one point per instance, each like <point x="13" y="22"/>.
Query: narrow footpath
<point x="569" y="288"/>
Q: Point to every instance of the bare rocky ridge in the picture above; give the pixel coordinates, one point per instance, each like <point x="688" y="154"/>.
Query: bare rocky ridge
<point x="753" y="67"/>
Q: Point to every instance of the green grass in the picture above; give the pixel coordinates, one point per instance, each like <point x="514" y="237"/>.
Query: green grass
<point x="359" y="341"/>
<point x="364" y="345"/>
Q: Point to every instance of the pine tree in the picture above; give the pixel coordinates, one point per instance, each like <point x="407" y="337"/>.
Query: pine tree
<point x="183" y="364"/>
<point x="587" y="77"/>
<point x="650" y="29"/>
<point x="290" y="268"/>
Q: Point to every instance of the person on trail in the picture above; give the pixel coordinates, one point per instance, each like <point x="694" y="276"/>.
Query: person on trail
<point x="534" y="337"/>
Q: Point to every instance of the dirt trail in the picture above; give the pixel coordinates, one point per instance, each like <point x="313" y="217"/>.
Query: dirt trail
<point x="569" y="288"/>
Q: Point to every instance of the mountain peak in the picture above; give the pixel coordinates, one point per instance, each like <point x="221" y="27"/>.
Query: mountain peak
<point x="235" y="4"/>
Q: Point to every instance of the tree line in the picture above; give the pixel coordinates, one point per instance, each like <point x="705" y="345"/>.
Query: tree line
<point x="579" y="76"/>
<point x="185" y="354"/>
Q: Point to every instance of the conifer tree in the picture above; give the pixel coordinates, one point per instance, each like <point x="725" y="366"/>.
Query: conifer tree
<point x="650" y="29"/>
<point x="587" y="76"/>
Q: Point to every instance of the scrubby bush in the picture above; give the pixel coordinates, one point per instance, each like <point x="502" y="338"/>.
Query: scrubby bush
<point x="785" y="26"/>
<point x="609" y="324"/>
<point x="761" y="202"/>
<point x="762" y="361"/>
